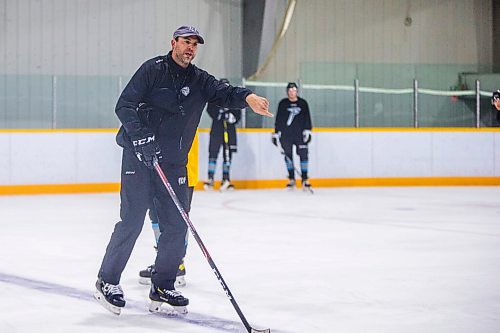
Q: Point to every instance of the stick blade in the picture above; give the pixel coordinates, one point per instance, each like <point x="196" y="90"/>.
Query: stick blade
<point x="267" y="330"/>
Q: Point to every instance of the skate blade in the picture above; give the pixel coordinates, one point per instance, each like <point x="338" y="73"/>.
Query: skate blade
<point x="308" y="190"/>
<point x="165" y="308"/>
<point x="208" y="187"/>
<point x="144" y="280"/>
<point x="180" y="281"/>
<point x="110" y="307"/>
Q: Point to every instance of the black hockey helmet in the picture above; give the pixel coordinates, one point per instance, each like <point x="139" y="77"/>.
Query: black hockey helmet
<point x="291" y="85"/>
<point x="224" y="80"/>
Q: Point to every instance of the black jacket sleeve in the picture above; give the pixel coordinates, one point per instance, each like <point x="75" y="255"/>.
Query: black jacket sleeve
<point x="224" y="95"/>
<point x="134" y="93"/>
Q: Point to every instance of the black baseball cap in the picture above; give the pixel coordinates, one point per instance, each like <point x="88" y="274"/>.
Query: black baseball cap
<point x="224" y="80"/>
<point x="185" y="31"/>
<point x="291" y="85"/>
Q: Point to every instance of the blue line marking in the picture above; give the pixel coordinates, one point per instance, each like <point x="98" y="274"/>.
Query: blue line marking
<point x="58" y="289"/>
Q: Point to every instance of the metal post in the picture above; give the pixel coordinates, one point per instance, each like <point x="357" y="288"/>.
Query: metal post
<point x="54" y="101"/>
<point x="244" y="110"/>
<point x="478" y="104"/>
<point x="415" y="103"/>
<point x="356" y="103"/>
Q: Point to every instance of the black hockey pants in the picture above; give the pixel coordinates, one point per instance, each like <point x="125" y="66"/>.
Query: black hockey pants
<point x="302" y="150"/>
<point x="139" y="187"/>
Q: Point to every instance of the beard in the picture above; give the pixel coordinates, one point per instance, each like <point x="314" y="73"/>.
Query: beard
<point x="182" y="58"/>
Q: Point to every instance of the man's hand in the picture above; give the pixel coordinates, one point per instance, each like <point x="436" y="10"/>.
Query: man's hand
<point x="146" y="148"/>
<point x="259" y="105"/>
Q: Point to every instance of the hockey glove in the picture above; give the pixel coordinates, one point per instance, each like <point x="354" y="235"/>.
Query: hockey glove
<point x="275" y="138"/>
<point x="495" y="99"/>
<point x="146" y="148"/>
<point x="229" y="118"/>
<point x="306" y="136"/>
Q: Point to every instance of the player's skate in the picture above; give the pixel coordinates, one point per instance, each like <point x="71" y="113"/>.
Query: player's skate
<point x="180" y="280"/>
<point x="173" y="299"/>
<point x="145" y="275"/>
<point x="306" y="186"/>
<point x="209" y="185"/>
<point x="291" y="185"/>
<point x="226" y="186"/>
<point x="110" y="296"/>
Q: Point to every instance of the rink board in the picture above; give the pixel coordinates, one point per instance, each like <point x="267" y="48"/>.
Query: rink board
<point x="68" y="161"/>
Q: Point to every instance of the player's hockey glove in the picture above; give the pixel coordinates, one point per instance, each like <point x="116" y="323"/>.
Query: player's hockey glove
<point x="229" y="118"/>
<point x="146" y="148"/>
<point x="275" y="138"/>
<point x="306" y="136"/>
<point x="495" y="98"/>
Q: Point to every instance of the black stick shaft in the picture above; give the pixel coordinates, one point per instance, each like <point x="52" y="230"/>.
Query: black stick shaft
<point x="185" y="216"/>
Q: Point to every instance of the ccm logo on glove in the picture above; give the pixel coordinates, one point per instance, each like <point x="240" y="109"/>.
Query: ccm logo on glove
<point x="143" y="141"/>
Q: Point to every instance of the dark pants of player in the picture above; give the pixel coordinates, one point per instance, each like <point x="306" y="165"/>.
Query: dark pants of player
<point x="153" y="216"/>
<point x="139" y="186"/>
<point x="302" y="151"/>
<point x="213" y="151"/>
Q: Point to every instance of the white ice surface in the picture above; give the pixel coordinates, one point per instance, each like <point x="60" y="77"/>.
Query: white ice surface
<point x="388" y="260"/>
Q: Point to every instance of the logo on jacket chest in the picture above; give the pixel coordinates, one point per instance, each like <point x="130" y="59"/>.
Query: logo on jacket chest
<point x="294" y="110"/>
<point x="185" y="90"/>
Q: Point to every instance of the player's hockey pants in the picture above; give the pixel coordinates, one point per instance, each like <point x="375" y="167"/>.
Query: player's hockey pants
<point x="139" y="187"/>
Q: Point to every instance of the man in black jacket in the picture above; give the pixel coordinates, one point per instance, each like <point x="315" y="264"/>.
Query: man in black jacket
<point x="222" y="134"/>
<point x="175" y="92"/>
<point x="293" y="128"/>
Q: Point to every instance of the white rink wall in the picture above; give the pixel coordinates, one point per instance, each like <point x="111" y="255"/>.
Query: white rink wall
<point x="370" y="154"/>
<point x="79" y="157"/>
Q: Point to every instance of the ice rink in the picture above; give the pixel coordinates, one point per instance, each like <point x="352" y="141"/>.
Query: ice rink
<point x="374" y="259"/>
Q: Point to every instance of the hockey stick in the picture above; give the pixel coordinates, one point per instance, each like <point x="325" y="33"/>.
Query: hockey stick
<point x="226" y="141"/>
<point x="190" y="225"/>
<point x="226" y="150"/>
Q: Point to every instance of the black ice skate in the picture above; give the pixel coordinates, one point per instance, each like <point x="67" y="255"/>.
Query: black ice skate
<point x="145" y="275"/>
<point x="110" y="296"/>
<point x="209" y="185"/>
<point x="226" y="186"/>
<point x="291" y="185"/>
<point x="180" y="280"/>
<point x="173" y="298"/>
